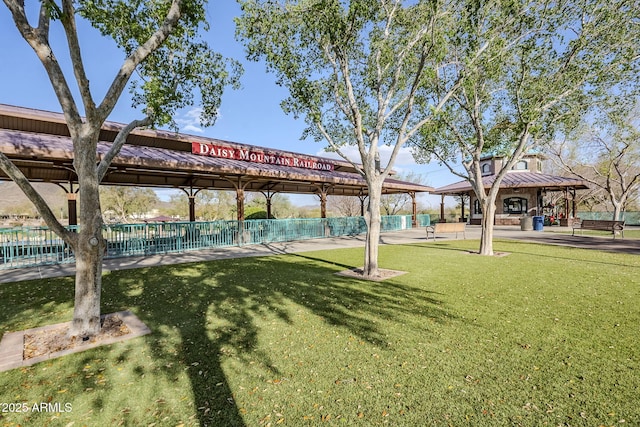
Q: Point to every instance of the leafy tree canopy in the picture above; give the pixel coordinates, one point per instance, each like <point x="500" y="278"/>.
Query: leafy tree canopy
<point x="175" y="74"/>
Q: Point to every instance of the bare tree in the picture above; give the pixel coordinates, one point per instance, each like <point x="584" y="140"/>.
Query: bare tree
<point x="393" y="204"/>
<point x="344" y="205"/>
<point x="607" y="155"/>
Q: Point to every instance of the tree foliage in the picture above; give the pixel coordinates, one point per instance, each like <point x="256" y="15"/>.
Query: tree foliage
<point x="182" y="71"/>
<point x="127" y="203"/>
<point x="210" y="205"/>
<point x="281" y="206"/>
<point x="160" y="41"/>
<point x="356" y="72"/>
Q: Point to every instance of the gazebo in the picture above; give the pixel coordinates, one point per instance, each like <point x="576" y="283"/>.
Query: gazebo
<point x="522" y="192"/>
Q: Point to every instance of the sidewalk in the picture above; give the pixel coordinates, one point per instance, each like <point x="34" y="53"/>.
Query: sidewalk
<point x="552" y="236"/>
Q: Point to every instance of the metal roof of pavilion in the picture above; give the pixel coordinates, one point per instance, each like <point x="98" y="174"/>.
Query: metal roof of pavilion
<point x="38" y="142"/>
<point x="517" y="179"/>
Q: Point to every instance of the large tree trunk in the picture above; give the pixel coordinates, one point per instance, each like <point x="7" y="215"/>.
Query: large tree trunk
<point x="616" y="212"/>
<point x="372" y="218"/>
<point x="89" y="250"/>
<point x="617" y="205"/>
<point x="486" y="236"/>
<point x="86" y="312"/>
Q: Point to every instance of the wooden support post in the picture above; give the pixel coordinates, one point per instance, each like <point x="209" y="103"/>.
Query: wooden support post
<point x="268" y="195"/>
<point x="192" y="208"/>
<point x="240" y="212"/>
<point x="322" y="193"/>
<point x="240" y="203"/>
<point x="414" y="209"/>
<point x="72" y="205"/>
<point x="323" y="204"/>
<point x="191" y="196"/>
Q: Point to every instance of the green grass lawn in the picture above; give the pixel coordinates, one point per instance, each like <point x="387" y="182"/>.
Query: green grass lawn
<point x="543" y="336"/>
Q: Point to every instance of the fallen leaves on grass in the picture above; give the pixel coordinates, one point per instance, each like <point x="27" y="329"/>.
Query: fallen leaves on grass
<point x="54" y="340"/>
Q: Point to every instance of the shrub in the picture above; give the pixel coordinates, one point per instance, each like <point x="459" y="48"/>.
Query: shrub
<point x="259" y="215"/>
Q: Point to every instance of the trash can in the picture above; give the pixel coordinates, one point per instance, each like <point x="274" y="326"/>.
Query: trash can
<point x="538" y="223"/>
<point x="526" y="223"/>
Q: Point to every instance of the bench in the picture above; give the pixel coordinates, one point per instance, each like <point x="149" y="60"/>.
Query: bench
<point x="603" y="225"/>
<point x="446" y="227"/>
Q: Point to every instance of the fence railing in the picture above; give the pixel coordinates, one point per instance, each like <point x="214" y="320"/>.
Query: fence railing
<point x="30" y="246"/>
<point x="423" y="220"/>
<point x="33" y="246"/>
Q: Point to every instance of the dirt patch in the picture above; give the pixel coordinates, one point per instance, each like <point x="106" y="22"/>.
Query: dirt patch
<point x="28" y="347"/>
<point x="383" y="274"/>
<point x="53" y="340"/>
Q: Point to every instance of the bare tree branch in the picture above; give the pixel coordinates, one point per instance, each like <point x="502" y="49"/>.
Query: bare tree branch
<point x="38" y="39"/>
<point x="118" y="142"/>
<point x="69" y="24"/>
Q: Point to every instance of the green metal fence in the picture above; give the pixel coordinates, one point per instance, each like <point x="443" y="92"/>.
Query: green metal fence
<point x="154" y="238"/>
<point x="30" y="246"/>
<point x="423" y="220"/>
<point x="284" y="230"/>
<point x="33" y="246"/>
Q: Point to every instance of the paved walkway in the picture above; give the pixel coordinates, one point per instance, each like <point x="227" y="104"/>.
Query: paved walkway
<point x="551" y="235"/>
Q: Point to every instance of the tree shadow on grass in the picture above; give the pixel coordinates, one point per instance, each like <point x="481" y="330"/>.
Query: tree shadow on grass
<point x="21" y="303"/>
<point x="213" y="307"/>
<point x="551" y="251"/>
<point x="557" y="252"/>
<point x="445" y="245"/>
<point x="543" y="251"/>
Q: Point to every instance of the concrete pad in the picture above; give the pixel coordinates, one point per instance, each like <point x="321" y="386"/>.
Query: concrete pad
<point x="12" y="343"/>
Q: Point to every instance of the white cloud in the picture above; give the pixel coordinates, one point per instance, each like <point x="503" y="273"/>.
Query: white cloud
<point x="191" y="128"/>
<point x="194" y="113"/>
<point x="189" y="121"/>
<point x="350" y="151"/>
<point x="404" y="157"/>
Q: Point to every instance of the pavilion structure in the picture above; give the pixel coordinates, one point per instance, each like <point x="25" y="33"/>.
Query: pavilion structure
<point x="522" y="192"/>
<point x="38" y="143"/>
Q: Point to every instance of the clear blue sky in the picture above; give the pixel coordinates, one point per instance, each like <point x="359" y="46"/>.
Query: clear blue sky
<point x="249" y="115"/>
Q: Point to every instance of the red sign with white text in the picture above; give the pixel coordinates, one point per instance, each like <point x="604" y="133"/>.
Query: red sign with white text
<point x="248" y="155"/>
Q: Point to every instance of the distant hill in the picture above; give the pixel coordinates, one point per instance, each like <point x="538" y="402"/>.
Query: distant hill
<point x="14" y="202"/>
